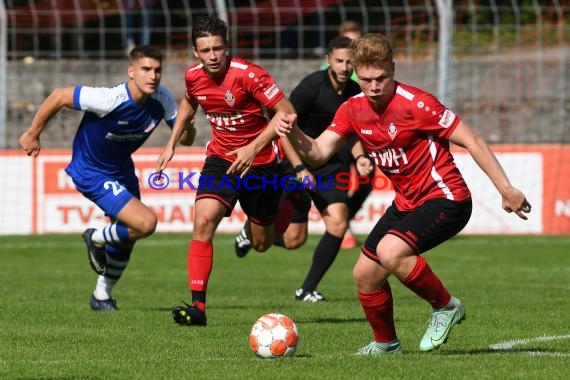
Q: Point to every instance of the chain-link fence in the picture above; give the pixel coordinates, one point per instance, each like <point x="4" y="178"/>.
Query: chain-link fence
<point x="508" y="72"/>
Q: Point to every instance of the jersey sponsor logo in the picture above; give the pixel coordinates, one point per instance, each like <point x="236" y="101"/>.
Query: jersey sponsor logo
<point x="201" y="97"/>
<point x="447" y="119"/>
<point x="230" y="98"/>
<point x="388" y="158"/>
<point x="128" y="137"/>
<point x="392" y="130"/>
<point x="272" y="91"/>
<point x="123" y="122"/>
<point x="366" y="131"/>
<point x="226" y="120"/>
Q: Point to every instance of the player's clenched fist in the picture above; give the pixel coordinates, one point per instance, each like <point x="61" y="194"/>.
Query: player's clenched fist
<point x="284" y="122"/>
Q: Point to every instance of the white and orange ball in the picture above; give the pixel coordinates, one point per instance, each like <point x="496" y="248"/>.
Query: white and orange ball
<point x="274" y="336"/>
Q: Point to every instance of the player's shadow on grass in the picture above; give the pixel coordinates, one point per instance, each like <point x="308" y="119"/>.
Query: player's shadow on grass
<point x="161" y="309"/>
<point x="332" y="320"/>
<point x="531" y="351"/>
<point x="224" y="307"/>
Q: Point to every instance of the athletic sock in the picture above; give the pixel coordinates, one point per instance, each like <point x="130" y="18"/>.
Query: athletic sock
<point x="200" y="261"/>
<point x="283" y="218"/>
<point x="427" y="285"/>
<point x="104" y="287"/>
<point x="114" y="233"/>
<point x="117" y="260"/>
<point x="379" y="311"/>
<point x="324" y="256"/>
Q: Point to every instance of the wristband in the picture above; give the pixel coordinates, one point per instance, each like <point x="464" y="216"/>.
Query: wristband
<point x="299" y="167"/>
<point x="362" y="155"/>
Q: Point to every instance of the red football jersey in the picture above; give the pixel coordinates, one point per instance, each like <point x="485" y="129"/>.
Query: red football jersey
<point x="234" y="105"/>
<point x="408" y="140"/>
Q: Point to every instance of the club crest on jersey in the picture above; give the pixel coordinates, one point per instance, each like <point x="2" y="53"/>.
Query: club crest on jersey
<point x="230" y="98"/>
<point x="392" y="130"/>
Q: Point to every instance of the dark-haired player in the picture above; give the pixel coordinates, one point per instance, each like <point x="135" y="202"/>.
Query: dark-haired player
<point x="117" y="121"/>
<point x="316" y="99"/>
<point x="234" y="94"/>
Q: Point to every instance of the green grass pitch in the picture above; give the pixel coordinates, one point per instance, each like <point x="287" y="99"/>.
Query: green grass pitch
<point x="516" y="291"/>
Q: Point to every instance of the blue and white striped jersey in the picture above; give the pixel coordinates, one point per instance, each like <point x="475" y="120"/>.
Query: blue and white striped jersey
<point x="114" y="126"/>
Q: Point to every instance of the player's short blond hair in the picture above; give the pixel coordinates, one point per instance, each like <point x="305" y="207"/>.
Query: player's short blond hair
<point x="373" y="50"/>
<point x="349" y="26"/>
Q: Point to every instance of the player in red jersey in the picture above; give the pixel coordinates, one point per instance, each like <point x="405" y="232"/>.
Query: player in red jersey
<point x="406" y="131"/>
<point x="234" y="94"/>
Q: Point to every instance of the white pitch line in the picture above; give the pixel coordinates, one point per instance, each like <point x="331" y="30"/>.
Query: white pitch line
<point x="512" y="344"/>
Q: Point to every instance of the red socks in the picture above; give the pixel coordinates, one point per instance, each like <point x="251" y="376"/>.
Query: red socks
<point x="199" y="268"/>
<point x="427" y="285"/>
<point x="379" y="310"/>
<point x="378" y="306"/>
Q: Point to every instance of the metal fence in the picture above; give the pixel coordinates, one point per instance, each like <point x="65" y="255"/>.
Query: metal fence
<point x="502" y="65"/>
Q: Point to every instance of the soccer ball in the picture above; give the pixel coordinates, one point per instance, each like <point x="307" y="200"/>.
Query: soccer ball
<point x="274" y="336"/>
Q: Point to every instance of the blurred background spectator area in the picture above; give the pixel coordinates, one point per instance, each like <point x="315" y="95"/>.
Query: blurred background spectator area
<point x="506" y="71"/>
<point x="273" y="28"/>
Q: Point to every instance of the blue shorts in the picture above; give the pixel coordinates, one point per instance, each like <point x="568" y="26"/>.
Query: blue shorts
<point x="111" y="194"/>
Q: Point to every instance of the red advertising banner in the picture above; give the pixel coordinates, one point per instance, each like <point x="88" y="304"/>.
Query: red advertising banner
<point x="53" y="205"/>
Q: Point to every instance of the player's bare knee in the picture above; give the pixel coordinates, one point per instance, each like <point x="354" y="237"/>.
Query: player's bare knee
<point x="261" y="246"/>
<point x="337" y="226"/>
<point x="360" y="278"/>
<point x="148" y="226"/>
<point x="366" y="280"/>
<point x="389" y="261"/>
<point x="338" y="229"/>
<point x="202" y="225"/>
<point x="295" y="242"/>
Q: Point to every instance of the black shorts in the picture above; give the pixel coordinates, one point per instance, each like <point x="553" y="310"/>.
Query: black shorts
<point x="258" y="191"/>
<point x="328" y="188"/>
<point x="431" y="224"/>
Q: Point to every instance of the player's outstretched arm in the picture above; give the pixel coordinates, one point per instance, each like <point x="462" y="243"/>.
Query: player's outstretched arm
<point x="513" y="199"/>
<point x="293" y="157"/>
<point x="58" y="98"/>
<point x="315" y="152"/>
<point x="189" y="133"/>
<point x="184" y="117"/>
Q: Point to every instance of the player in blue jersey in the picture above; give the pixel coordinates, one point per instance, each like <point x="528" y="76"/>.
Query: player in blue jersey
<point x="117" y="121"/>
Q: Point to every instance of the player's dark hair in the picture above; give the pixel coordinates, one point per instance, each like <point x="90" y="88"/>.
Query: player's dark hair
<point x="144" y="51"/>
<point x="339" y="42"/>
<point x="204" y="26"/>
